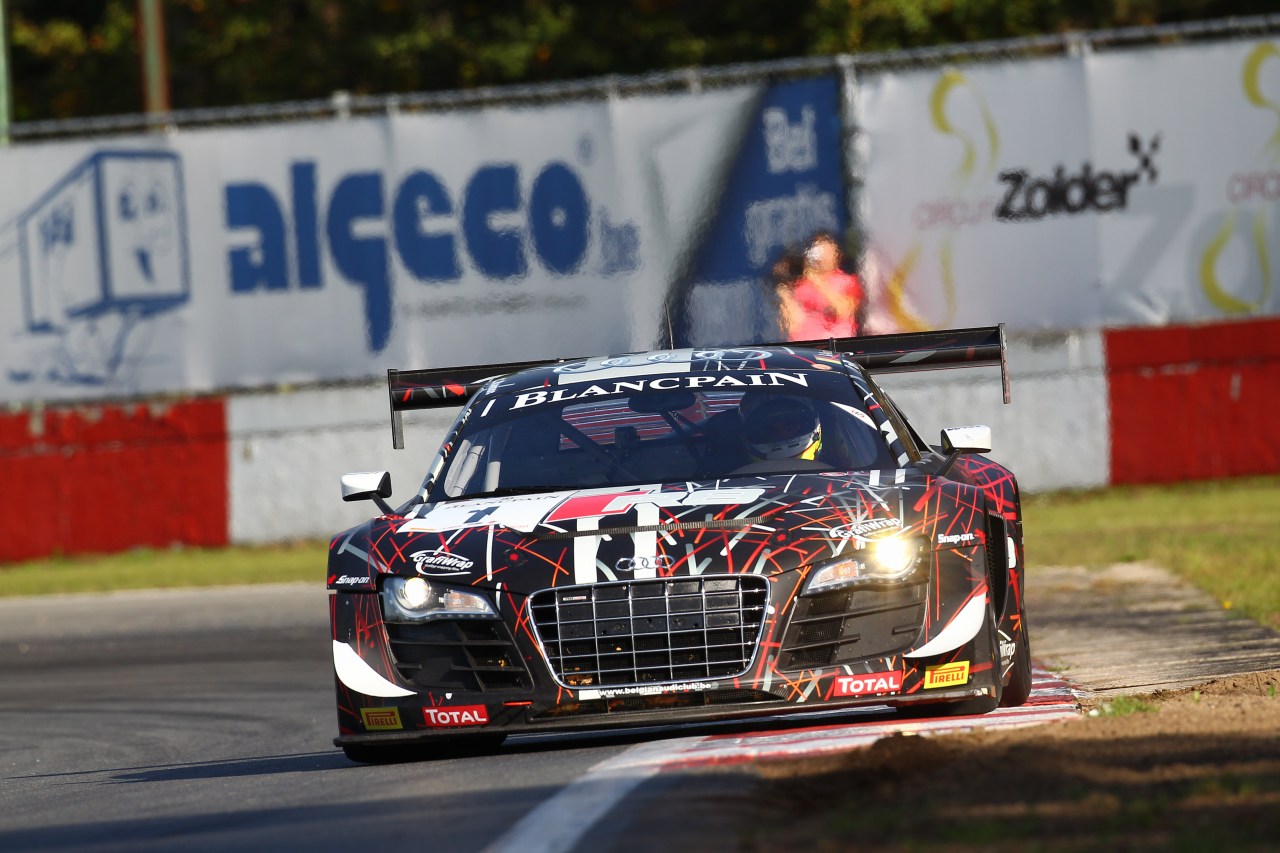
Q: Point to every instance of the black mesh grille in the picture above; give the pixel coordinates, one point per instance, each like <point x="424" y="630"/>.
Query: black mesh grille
<point x="853" y="623"/>
<point x="651" y="631"/>
<point x="462" y="654"/>
<point x="997" y="560"/>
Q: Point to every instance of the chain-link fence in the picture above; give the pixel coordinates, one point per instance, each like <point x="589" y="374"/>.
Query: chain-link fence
<point x="345" y="104"/>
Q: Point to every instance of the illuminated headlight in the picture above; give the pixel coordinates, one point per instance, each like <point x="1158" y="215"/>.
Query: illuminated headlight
<point x="894" y="557"/>
<point x="889" y="559"/>
<point x="417" y="600"/>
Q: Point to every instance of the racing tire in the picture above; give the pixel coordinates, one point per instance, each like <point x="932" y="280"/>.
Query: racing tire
<point x="1018" y="689"/>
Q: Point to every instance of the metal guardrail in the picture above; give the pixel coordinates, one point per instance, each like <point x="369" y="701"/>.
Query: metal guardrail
<point x="345" y="105"/>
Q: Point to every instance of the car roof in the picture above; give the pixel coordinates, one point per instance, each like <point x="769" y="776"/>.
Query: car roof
<point x="667" y="362"/>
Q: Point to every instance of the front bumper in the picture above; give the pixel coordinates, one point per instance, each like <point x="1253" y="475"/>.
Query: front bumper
<point x="510" y="676"/>
<point x="513" y="724"/>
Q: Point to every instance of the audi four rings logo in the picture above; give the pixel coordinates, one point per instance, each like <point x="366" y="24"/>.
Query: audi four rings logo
<point x="636" y="564"/>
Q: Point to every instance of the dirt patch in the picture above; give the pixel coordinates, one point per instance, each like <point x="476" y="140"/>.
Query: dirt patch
<point x="1186" y="768"/>
<point x="1135" y="628"/>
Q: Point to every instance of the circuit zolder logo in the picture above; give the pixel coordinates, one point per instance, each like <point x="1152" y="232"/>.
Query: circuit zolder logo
<point x="1027" y="198"/>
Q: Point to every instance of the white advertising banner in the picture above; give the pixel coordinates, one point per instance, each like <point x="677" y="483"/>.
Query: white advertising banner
<point x="320" y="251"/>
<point x="1203" y="243"/>
<point x="956" y="166"/>
<point x="1110" y="189"/>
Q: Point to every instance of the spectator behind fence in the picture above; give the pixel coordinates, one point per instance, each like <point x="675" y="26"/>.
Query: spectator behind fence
<point x="785" y="273"/>
<point x="825" y="301"/>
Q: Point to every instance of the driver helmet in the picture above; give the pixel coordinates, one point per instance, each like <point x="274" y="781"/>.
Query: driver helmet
<point x="780" y="427"/>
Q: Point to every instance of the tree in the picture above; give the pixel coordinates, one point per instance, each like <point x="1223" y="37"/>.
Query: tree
<point x="70" y="58"/>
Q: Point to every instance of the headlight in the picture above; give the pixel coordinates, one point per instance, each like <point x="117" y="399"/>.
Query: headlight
<point x="893" y="557"/>
<point x="889" y="559"/>
<point x="412" y="594"/>
<point x="417" y="600"/>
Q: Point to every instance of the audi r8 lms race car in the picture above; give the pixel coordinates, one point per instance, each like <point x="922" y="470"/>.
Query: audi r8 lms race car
<point x="679" y="535"/>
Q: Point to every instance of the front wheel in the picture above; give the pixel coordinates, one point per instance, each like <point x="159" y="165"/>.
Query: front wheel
<point x="1019" y="686"/>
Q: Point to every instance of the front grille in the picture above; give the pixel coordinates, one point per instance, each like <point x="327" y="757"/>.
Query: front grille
<point x="852" y="624"/>
<point x="651" y="631"/>
<point x="458" y="654"/>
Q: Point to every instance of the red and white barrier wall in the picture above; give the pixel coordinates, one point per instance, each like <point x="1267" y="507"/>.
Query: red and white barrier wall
<point x="1089" y="409"/>
<point x="106" y="478"/>
<point x="1194" y="403"/>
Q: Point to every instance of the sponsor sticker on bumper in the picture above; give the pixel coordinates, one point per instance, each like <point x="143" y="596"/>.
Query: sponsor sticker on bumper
<point x="867" y="684"/>
<point x="952" y="674"/>
<point x="456" y="715"/>
<point x="381" y="719"/>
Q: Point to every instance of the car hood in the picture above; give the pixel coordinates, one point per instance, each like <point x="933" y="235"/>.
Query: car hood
<point x="761" y="525"/>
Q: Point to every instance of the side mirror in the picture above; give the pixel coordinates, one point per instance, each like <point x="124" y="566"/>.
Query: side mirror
<point x="959" y="440"/>
<point x="967" y="439"/>
<point x="368" y="485"/>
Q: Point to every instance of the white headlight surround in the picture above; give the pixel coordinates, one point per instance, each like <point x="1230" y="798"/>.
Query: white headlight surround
<point x="416" y="599"/>
<point x="887" y="559"/>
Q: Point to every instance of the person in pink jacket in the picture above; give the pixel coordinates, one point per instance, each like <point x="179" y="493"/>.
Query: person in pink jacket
<point x="825" y="301"/>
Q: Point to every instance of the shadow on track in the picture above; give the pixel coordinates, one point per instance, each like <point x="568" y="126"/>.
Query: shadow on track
<point x="267" y="765"/>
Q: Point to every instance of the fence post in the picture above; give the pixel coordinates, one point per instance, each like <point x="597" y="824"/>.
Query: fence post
<point x="853" y="152"/>
<point x="155" y="63"/>
<point x="5" y="117"/>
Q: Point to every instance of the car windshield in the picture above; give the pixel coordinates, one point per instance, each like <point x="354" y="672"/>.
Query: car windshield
<point x="551" y="440"/>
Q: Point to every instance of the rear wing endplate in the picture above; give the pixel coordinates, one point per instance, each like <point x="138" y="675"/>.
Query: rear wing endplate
<point x="438" y="387"/>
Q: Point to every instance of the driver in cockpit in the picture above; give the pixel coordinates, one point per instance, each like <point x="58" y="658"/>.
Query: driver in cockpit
<point x="776" y="427"/>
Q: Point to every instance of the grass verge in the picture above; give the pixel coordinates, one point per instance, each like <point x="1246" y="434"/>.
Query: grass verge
<point x="1219" y="535"/>
<point x="177" y="567"/>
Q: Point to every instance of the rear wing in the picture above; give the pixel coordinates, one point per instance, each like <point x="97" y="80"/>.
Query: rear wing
<point x="982" y="346"/>
<point x="437" y="387"/>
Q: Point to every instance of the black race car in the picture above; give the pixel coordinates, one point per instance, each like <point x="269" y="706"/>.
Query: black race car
<point x="679" y="535"/>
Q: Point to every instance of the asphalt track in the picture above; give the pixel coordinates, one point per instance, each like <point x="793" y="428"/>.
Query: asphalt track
<point x="202" y="720"/>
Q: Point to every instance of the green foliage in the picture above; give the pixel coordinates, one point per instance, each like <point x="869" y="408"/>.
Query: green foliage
<point x="71" y="58"/>
<point x="1123" y="706"/>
